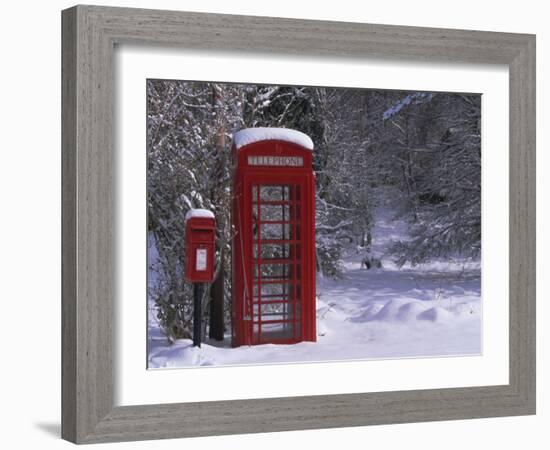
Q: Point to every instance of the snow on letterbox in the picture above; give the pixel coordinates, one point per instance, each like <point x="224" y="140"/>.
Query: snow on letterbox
<point x="200" y="239"/>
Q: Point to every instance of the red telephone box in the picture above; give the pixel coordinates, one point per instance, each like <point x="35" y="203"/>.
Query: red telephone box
<point x="200" y="239"/>
<point x="274" y="241"/>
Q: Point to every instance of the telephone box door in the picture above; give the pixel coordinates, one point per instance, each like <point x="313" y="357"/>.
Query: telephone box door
<point x="277" y="222"/>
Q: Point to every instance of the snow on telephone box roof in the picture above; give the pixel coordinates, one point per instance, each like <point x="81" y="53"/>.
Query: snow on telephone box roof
<point x="251" y="135"/>
<point x="204" y="213"/>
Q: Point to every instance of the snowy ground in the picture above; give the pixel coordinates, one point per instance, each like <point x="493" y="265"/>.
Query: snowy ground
<point x="428" y="310"/>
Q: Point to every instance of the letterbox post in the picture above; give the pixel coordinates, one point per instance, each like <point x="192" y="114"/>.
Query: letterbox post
<point x="200" y="245"/>
<point x="198" y="289"/>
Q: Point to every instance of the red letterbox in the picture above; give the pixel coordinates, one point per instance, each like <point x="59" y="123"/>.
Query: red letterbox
<point x="273" y="215"/>
<point x="200" y="239"/>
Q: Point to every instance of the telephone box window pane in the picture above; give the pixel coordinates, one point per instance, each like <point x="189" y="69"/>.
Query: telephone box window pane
<point x="298" y="290"/>
<point x="298" y="326"/>
<point x="269" y="290"/>
<point x="271" y="251"/>
<point x="298" y="310"/>
<point x="277" y="231"/>
<point x="284" y="310"/>
<point x="277" y="331"/>
<point x="273" y="307"/>
<point x="274" y="212"/>
<point x="273" y="193"/>
<point x="297" y="192"/>
<point x="295" y="212"/>
<point x="271" y="316"/>
<point x="296" y="232"/>
<point x="276" y="271"/>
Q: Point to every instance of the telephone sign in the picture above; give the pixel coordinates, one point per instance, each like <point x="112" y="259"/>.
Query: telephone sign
<point x="280" y="161"/>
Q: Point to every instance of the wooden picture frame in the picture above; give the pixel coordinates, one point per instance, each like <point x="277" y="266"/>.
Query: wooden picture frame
<point x="89" y="34"/>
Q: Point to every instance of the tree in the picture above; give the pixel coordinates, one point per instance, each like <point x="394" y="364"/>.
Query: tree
<point x="443" y="178"/>
<point x="187" y="168"/>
